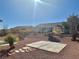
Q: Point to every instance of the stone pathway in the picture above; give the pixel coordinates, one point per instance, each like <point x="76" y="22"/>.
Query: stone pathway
<point x="25" y="49"/>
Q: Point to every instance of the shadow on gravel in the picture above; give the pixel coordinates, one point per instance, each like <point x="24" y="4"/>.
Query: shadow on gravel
<point x="4" y="53"/>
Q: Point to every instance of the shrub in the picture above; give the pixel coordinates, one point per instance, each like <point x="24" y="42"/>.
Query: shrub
<point x="10" y="40"/>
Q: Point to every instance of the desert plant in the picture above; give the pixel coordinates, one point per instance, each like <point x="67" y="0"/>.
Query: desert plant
<point x="10" y="40"/>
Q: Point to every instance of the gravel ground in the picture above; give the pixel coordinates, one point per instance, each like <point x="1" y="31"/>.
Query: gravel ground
<point x="69" y="52"/>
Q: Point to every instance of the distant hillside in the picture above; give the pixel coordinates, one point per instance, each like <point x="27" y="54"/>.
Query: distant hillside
<point x="23" y="27"/>
<point x="38" y="28"/>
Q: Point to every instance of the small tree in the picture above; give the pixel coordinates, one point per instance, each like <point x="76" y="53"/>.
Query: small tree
<point x="10" y="40"/>
<point x="73" y="22"/>
<point x="66" y="27"/>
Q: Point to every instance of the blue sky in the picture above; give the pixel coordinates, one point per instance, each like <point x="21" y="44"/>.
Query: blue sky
<point x="25" y="12"/>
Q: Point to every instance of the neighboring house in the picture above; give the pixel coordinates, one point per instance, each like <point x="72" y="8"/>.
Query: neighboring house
<point x="58" y="29"/>
<point x="46" y="27"/>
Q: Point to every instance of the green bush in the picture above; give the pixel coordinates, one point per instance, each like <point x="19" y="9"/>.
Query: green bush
<point x="10" y="40"/>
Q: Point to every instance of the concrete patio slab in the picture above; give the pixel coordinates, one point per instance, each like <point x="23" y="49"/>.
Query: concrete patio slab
<point x="48" y="46"/>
